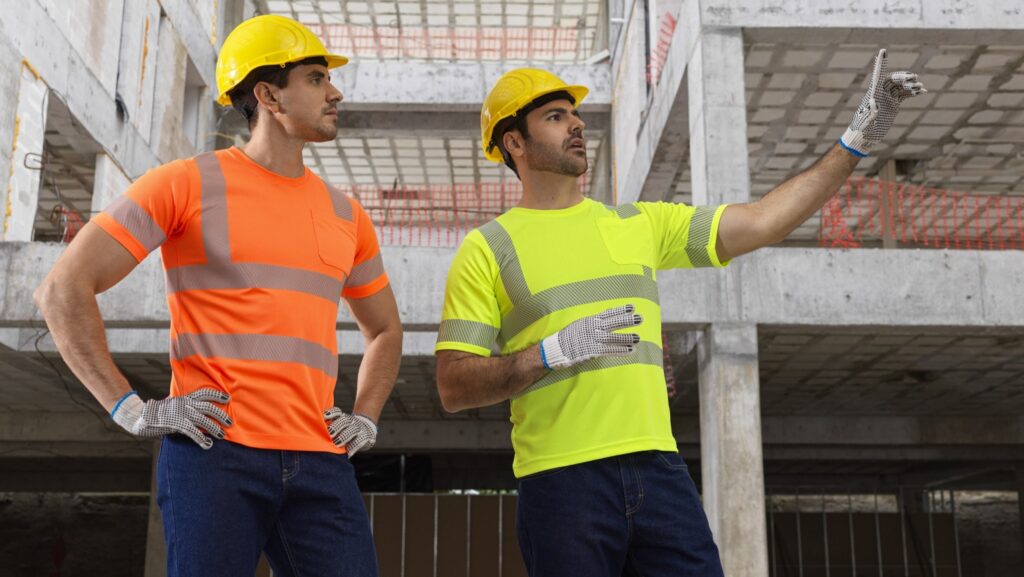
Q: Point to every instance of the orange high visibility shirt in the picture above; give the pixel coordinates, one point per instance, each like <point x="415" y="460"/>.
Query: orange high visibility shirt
<point x="255" y="265"/>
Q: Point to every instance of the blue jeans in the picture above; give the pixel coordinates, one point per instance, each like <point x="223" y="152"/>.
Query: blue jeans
<point x="221" y="508"/>
<point x="636" y="515"/>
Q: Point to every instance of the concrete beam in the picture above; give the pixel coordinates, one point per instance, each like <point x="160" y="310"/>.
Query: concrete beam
<point x="790" y="437"/>
<point x="458" y="86"/>
<point x="436" y="123"/>
<point x="926" y="289"/>
<point x="997" y="19"/>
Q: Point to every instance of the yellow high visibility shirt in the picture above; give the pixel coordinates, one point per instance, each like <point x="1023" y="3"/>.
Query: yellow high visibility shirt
<point x="530" y="273"/>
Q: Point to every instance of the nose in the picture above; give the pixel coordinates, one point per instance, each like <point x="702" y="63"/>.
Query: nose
<point x="579" y="125"/>
<point x="334" y="95"/>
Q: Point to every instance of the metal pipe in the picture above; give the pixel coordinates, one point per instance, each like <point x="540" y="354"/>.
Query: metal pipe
<point x="956" y="533"/>
<point x="501" y="531"/>
<point x="469" y="530"/>
<point x="931" y="532"/>
<point x="799" y="539"/>
<point x="903" y="532"/>
<point x="824" y="528"/>
<point x="853" y="542"/>
<point x="402" y="565"/>
<point x="878" y="539"/>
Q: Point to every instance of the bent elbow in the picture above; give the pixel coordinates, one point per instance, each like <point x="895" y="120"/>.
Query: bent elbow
<point x="449" y="402"/>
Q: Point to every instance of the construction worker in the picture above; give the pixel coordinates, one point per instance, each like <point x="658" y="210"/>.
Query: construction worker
<point x="567" y="289"/>
<point x="258" y="251"/>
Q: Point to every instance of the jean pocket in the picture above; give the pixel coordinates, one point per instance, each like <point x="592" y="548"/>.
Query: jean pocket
<point x="672" y="461"/>
<point x="543" y="474"/>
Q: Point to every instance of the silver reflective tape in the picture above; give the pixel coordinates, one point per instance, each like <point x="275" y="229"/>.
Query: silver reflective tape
<point x="645" y="354"/>
<point x="508" y="261"/>
<point x="253" y="275"/>
<point x="466" y="332"/>
<point x="700" y="234"/>
<point x="251" y="347"/>
<point x="366" y="272"/>
<point x="136" y="221"/>
<point x="538" y="306"/>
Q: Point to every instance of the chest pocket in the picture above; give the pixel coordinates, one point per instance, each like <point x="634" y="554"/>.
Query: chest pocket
<point x="628" y="240"/>
<point x="335" y="243"/>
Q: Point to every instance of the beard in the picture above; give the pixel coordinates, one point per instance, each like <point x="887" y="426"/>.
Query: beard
<point x="546" y="157"/>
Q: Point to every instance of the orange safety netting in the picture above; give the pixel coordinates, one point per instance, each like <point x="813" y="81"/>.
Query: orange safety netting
<point x="435" y="215"/>
<point x="869" y="212"/>
<point x="660" y="52"/>
<point x="458" y="43"/>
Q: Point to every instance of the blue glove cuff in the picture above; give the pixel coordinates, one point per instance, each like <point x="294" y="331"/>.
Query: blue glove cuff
<point x="852" y="151"/>
<point x="121" y="400"/>
<point x="544" y="357"/>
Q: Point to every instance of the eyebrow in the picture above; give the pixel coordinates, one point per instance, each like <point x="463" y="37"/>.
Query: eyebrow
<point x="561" y="110"/>
<point x="316" y="74"/>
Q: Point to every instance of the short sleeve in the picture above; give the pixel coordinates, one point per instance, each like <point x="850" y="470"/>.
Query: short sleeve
<point x="152" y="209"/>
<point x="368" y="276"/>
<point x="685" y="236"/>
<point x="470" y="318"/>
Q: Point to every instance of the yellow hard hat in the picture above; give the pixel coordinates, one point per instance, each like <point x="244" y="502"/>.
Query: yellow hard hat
<point x="266" y="41"/>
<point x="514" y="90"/>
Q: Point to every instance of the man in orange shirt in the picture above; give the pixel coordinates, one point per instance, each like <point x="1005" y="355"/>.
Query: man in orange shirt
<point x="257" y="251"/>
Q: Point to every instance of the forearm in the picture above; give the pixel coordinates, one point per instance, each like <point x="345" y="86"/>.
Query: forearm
<point x="794" y="201"/>
<point x="73" y="318"/>
<point x="471" y="381"/>
<point x="377" y="373"/>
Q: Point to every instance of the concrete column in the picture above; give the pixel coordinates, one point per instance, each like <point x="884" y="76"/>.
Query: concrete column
<point x="21" y="194"/>
<point x="108" y="185"/>
<point x="156" y="548"/>
<point x="718" y="118"/>
<point x="730" y="445"/>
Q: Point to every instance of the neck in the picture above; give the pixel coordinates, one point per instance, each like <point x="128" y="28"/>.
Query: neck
<point x="549" y="191"/>
<point x="272" y="148"/>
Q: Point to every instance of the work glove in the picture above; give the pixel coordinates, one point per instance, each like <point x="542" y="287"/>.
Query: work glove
<point x="877" y="111"/>
<point x="355" y="432"/>
<point x="189" y="415"/>
<point x="591" y="337"/>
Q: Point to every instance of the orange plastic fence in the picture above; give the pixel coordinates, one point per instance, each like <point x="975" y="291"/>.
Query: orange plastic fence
<point x="867" y="211"/>
<point x="436" y="215"/>
<point x="456" y="43"/>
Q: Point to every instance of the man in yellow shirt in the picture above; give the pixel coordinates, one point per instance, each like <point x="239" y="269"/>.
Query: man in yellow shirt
<point x="554" y="282"/>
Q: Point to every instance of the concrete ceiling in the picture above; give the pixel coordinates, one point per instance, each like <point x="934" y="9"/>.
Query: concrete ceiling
<point x="966" y="134"/>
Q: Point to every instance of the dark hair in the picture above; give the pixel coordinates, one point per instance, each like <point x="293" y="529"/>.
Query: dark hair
<point x="518" y="122"/>
<point x="243" y="99"/>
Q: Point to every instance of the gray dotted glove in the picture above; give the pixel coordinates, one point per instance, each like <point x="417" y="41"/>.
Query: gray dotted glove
<point x="189" y="415"/>
<point x="354" y="432"/>
<point x="876" y="113"/>
<point x="591" y="337"/>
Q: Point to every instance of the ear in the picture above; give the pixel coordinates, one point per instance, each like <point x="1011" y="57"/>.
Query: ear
<point x="268" y="96"/>
<point x="514" y="143"/>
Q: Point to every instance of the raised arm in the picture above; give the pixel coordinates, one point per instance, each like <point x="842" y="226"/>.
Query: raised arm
<point x="747" y="227"/>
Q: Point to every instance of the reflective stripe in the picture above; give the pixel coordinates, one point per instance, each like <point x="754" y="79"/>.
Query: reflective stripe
<point x="251" y="347"/>
<point x="538" y="306"/>
<point x="252" y="275"/>
<point x="214" y="209"/>
<point x="342" y="205"/>
<point x="627" y="210"/>
<point x="700" y="234"/>
<point x="137" y="221"/>
<point x="648" y="272"/>
<point x="366" y="272"/>
<point x="645" y="354"/>
<point x="466" y="332"/>
<point x="508" y="261"/>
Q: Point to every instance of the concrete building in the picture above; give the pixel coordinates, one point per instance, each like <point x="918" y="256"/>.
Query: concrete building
<point x="838" y="396"/>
